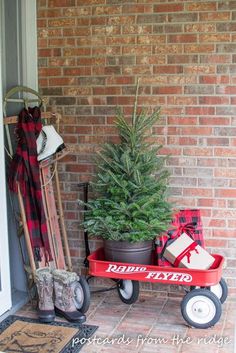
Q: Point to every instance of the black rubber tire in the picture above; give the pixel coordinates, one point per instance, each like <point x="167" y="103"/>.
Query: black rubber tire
<point x="224" y="289"/>
<point x="199" y="294"/>
<point x="83" y="302"/>
<point x="134" y="291"/>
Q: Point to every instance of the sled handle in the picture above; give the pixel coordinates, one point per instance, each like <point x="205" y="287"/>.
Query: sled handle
<point x="26" y="101"/>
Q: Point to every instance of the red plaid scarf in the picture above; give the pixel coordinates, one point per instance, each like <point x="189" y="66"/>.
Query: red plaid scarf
<point x="24" y="171"/>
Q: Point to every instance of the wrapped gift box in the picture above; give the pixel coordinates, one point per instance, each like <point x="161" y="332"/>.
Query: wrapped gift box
<point x="184" y="221"/>
<point x="185" y="252"/>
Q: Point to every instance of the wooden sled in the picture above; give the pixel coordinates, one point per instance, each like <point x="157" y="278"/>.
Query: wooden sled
<point x="49" y="178"/>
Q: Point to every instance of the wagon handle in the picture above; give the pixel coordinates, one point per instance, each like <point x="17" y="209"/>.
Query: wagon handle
<point x="86" y="242"/>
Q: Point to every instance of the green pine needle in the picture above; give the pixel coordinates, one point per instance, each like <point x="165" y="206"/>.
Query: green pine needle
<point x="130" y="187"/>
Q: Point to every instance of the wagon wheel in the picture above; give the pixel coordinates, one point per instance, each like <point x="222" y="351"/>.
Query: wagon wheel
<point x="201" y="308"/>
<point x="128" y="290"/>
<point x="220" y="290"/>
<point x="81" y="295"/>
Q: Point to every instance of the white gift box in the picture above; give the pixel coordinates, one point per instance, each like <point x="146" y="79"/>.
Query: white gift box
<point x="185" y="252"/>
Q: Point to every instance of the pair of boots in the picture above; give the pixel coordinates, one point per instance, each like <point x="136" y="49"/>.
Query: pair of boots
<point x="56" y="295"/>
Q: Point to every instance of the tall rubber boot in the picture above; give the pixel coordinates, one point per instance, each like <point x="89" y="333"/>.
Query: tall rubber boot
<point x="44" y="284"/>
<point x="64" y="294"/>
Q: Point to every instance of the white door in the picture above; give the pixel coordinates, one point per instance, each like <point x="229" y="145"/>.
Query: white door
<point x="5" y="286"/>
<point x="18" y="66"/>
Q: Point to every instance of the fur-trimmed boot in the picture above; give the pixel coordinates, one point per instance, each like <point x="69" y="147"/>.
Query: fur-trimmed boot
<point x="64" y="294"/>
<point x="44" y="284"/>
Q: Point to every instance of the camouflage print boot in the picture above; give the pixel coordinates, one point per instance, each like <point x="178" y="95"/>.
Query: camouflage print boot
<point x="44" y="283"/>
<point x="64" y="294"/>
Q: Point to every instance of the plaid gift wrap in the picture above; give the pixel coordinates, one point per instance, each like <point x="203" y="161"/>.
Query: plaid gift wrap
<point x="188" y="221"/>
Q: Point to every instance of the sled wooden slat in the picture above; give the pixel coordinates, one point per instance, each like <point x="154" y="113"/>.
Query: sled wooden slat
<point x="26" y="231"/>
<point x="46" y="115"/>
<point x="62" y="222"/>
<point x="52" y="264"/>
<point x="47" y="190"/>
<point x="57" y="157"/>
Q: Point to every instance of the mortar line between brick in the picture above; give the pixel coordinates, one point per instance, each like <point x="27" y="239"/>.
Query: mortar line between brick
<point x="110" y="335"/>
<point x="226" y="308"/>
<point x="93" y="312"/>
<point x="97" y="306"/>
<point x="155" y="321"/>
<point x="120" y="320"/>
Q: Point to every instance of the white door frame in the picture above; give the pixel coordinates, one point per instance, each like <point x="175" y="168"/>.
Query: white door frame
<point x="29" y="43"/>
<point x="5" y="290"/>
<point x="30" y="79"/>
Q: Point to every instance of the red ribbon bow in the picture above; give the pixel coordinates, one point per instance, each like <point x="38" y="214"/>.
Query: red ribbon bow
<point x="186" y="228"/>
<point x="186" y="252"/>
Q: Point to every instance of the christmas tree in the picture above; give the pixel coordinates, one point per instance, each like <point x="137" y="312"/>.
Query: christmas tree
<point x="130" y="185"/>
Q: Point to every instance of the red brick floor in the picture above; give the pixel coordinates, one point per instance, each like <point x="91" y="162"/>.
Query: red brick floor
<point x="153" y="324"/>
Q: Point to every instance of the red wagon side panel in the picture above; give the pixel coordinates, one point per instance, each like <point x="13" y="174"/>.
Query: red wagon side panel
<point x="150" y="273"/>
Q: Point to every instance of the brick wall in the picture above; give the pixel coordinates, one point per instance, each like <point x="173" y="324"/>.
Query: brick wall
<point x="90" y="55"/>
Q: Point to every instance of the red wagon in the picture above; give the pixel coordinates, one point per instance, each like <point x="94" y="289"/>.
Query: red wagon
<point x="200" y="307"/>
<point x="205" y="290"/>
